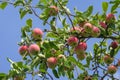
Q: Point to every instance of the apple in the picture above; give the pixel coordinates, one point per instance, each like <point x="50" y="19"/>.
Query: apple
<point x="95" y="31"/>
<point x="108" y="59"/>
<point x="110" y="18"/>
<point x="61" y="56"/>
<point x="81" y="47"/>
<point x="75" y="29"/>
<point x="34" y="49"/>
<point x="53" y="10"/>
<point x="18" y="78"/>
<point x="81" y="56"/>
<point x="23" y="49"/>
<point x="103" y="25"/>
<point x="112" y="69"/>
<point x="114" y="44"/>
<point x="88" y="27"/>
<point x="37" y="33"/>
<point x="52" y="62"/>
<point x="72" y="41"/>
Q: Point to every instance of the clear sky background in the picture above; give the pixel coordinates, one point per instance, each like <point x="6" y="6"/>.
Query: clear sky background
<point x="10" y="27"/>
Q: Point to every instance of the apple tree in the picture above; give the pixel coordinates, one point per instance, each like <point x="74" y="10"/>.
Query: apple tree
<point x="62" y="46"/>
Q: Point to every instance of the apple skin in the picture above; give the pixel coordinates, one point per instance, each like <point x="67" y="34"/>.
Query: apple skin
<point x="23" y="49"/>
<point x="110" y="18"/>
<point x="34" y="49"/>
<point x="53" y="10"/>
<point x="114" y="44"/>
<point x="75" y="29"/>
<point x="80" y="48"/>
<point x="112" y="69"/>
<point x="103" y="25"/>
<point x="81" y="56"/>
<point x="95" y="31"/>
<point x="52" y="62"/>
<point x="88" y="27"/>
<point x="72" y="41"/>
<point x="108" y="59"/>
<point x="37" y="33"/>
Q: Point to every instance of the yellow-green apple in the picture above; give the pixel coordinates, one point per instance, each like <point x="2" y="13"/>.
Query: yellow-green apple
<point x="112" y="69"/>
<point x="108" y="59"/>
<point x="34" y="49"/>
<point x="81" y="56"/>
<point x="37" y="33"/>
<point x="52" y="62"/>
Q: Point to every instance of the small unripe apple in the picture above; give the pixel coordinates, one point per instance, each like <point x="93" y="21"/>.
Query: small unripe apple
<point x="34" y="49"/>
<point x="23" y="49"/>
<point x="53" y="10"/>
<point x="52" y="62"/>
<point x="108" y="59"/>
<point x="112" y="69"/>
<point x="88" y="27"/>
<point x="61" y="56"/>
<point x="95" y="32"/>
<point x="72" y="41"/>
<point x="114" y="44"/>
<point x="103" y="25"/>
<point x="37" y="33"/>
<point x="81" y="56"/>
<point x="110" y="18"/>
<point x="81" y="47"/>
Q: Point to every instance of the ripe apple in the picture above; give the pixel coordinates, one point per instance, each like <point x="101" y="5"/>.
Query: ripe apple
<point x="37" y="33"/>
<point x="103" y="25"/>
<point x="112" y="69"/>
<point x="52" y="62"/>
<point x="95" y="31"/>
<point x="34" y="49"/>
<point x="88" y="27"/>
<point x="53" y="10"/>
<point x="75" y="29"/>
<point x="23" y="49"/>
<point x="110" y="18"/>
<point x="72" y="41"/>
<point x="108" y="59"/>
<point x="114" y="44"/>
<point x="81" y="56"/>
<point x="81" y="47"/>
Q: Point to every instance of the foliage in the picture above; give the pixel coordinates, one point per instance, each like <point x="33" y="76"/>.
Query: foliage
<point x="91" y="66"/>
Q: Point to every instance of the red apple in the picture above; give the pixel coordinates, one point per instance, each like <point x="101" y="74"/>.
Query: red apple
<point x="103" y="25"/>
<point x="114" y="44"/>
<point x="81" y="56"/>
<point x="53" y="10"/>
<point x="72" y="41"/>
<point x="23" y="49"/>
<point x="37" y="33"/>
<point x="112" y="69"/>
<point x="52" y="62"/>
<point x="81" y="47"/>
<point x="34" y="49"/>
<point x="88" y="27"/>
<point x="95" y="31"/>
<point x="108" y="59"/>
<point x="110" y="17"/>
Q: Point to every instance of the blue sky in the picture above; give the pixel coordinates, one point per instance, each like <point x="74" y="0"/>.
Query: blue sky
<point x="11" y="24"/>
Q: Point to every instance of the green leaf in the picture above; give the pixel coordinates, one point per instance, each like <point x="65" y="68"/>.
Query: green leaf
<point x="9" y="60"/>
<point x="73" y="60"/>
<point x="114" y="7"/>
<point x="29" y="22"/>
<point x="105" y="6"/>
<point x="19" y="2"/>
<point x="55" y="73"/>
<point x="3" y="5"/>
<point x="23" y="13"/>
<point x="88" y="12"/>
<point x="2" y="75"/>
